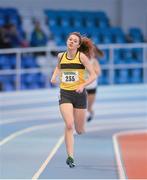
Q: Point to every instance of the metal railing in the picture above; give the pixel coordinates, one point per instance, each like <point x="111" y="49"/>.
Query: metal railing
<point x="110" y="66"/>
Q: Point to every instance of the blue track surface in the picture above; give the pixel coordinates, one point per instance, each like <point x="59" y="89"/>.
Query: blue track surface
<point x="31" y="125"/>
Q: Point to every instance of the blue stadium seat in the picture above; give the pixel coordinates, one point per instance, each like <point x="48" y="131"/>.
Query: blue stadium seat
<point x="66" y="19"/>
<point x="8" y="87"/>
<point x="123" y="56"/>
<point x="119" y="39"/>
<point x="24" y="86"/>
<point x="28" y="61"/>
<point x="122" y="76"/>
<point x="10" y="11"/>
<point x="2" y="18"/>
<point x="41" y="80"/>
<point x="117" y="56"/>
<point x="52" y="19"/>
<point x="105" y="58"/>
<point x="78" y="19"/>
<point x="8" y="82"/>
<point x="27" y="80"/>
<point x="119" y="61"/>
<point x="33" y="81"/>
<point x="96" y="39"/>
<point x="137" y="54"/>
<point x="12" y="61"/>
<point x="104" y="78"/>
<point x="136" y="35"/>
<point x="12" y="16"/>
<point x="103" y="23"/>
<point x="89" y="19"/>
<point x="33" y="85"/>
<point x="5" y="62"/>
<point x="118" y="35"/>
<point x="101" y="19"/>
<point x="59" y="38"/>
<point x="126" y="53"/>
<point x="136" y="75"/>
<point x="106" y="36"/>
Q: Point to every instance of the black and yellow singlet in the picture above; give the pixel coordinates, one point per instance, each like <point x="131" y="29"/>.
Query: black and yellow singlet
<point x="72" y="72"/>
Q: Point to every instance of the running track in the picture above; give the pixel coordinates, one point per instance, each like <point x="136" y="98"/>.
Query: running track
<point x="31" y="134"/>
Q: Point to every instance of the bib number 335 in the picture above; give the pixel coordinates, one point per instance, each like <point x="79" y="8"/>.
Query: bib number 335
<point x="69" y="77"/>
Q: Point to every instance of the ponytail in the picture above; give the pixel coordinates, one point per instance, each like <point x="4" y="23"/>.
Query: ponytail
<point x="86" y="46"/>
<point x="97" y="52"/>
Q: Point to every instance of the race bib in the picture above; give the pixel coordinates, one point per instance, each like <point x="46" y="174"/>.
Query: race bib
<point x="70" y="77"/>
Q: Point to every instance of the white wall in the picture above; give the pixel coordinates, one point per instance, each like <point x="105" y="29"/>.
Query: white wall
<point x="34" y="7"/>
<point x="134" y="13"/>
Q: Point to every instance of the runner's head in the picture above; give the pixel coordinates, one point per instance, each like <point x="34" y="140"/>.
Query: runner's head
<point x="76" y="41"/>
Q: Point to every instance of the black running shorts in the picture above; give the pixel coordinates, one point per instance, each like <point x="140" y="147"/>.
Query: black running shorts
<point x="78" y="100"/>
<point x="91" y="91"/>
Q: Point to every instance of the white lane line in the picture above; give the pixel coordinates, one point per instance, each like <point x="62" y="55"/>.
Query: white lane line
<point x="93" y="128"/>
<point x="32" y="109"/>
<point x="121" y="169"/>
<point x="18" y="120"/>
<point x="89" y="129"/>
<point x="42" y="99"/>
<point x="98" y="123"/>
<point x="26" y="130"/>
<point x="31" y="117"/>
<point x="50" y="156"/>
<point x="100" y="110"/>
<point x="37" y="117"/>
<point x="47" y="105"/>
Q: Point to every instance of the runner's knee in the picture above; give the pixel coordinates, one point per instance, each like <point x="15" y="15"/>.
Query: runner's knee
<point x="69" y="126"/>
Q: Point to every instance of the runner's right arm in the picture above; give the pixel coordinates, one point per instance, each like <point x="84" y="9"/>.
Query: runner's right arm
<point x="56" y="70"/>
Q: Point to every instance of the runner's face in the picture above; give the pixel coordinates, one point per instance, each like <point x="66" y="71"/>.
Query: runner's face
<point x="73" y="42"/>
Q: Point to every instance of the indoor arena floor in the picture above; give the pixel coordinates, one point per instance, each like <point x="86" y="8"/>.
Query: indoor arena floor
<point x="114" y="145"/>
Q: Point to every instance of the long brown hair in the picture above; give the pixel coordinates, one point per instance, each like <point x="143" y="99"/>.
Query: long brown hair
<point x="87" y="46"/>
<point x="97" y="52"/>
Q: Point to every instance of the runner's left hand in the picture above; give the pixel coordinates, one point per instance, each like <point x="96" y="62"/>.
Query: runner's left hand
<point x="80" y="88"/>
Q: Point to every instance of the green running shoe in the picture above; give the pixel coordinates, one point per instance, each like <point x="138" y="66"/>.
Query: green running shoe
<point x="70" y="162"/>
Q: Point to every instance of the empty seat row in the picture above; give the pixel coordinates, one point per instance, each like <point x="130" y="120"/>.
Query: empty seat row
<point x="123" y="76"/>
<point x="9" y="62"/>
<point x="94" y="24"/>
<point x="28" y="81"/>
<point x="128" y="76"/>
<point x="76" y="18"/>
<point x="98" y="35"/>
<point x="35" y="81"/>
